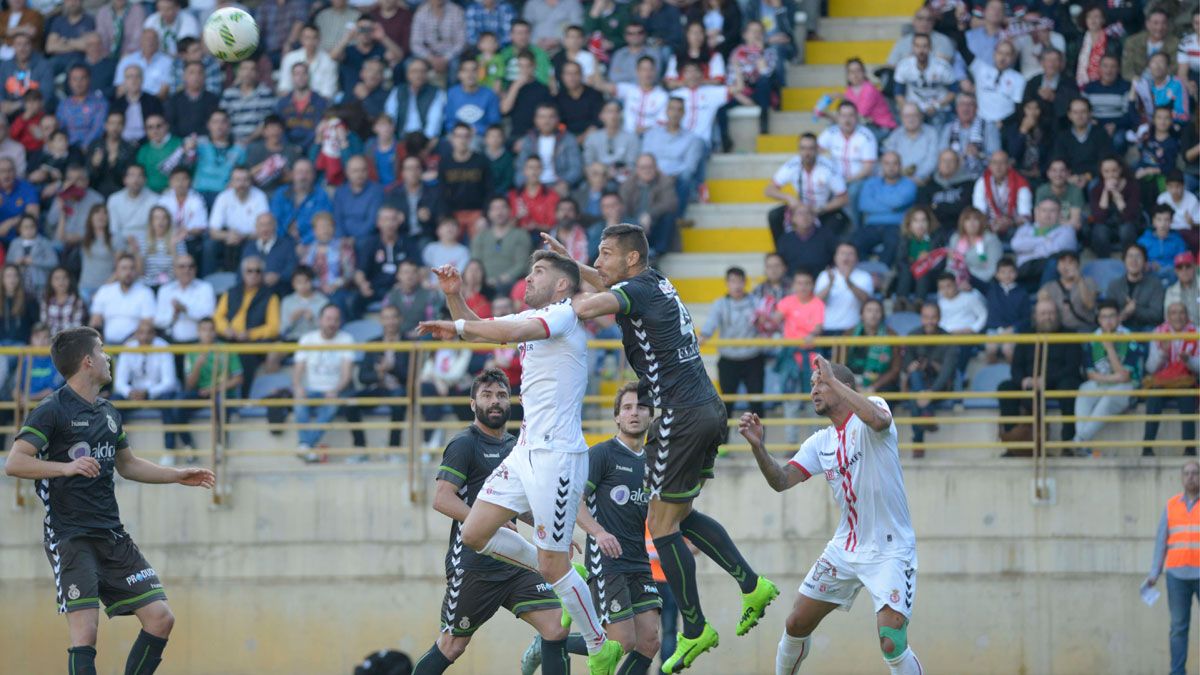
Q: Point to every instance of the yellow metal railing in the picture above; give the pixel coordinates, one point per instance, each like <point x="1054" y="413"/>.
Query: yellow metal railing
<point x="219" y="449"/>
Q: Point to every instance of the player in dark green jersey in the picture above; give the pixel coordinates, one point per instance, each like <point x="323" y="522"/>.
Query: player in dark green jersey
<point x="71" y="444"/>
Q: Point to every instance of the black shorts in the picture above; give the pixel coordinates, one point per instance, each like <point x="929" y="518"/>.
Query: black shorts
<point x="621" y="595"/>
<point x="681" y="449"/>
<point x="472" y="599"/>
<point x="106" y="567"/>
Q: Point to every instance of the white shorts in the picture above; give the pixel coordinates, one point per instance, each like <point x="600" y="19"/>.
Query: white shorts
<point x="891" y="581"/>
<point x="546" y="483"/>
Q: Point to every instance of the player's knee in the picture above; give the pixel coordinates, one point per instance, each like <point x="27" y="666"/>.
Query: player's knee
<point x="83" y="636"/>
<point x="648" y="645"/>
<point x="474" y="539"/>
<point x="797" y="626"/>
<point x="160" y="623"/>
<point x="451" y="647"/>
<point x="555" y="632"/>
<point x="893" y="641"/>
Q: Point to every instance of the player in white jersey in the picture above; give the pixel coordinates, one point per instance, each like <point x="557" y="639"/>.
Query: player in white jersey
<point x="874" y="545"/>
<point x="545" y="473"/>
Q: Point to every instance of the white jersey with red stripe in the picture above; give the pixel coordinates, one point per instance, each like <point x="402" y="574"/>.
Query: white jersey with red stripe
<point x="554" y="378"/>
<point x="848" y="154"/>
<point x="862" y="467"/>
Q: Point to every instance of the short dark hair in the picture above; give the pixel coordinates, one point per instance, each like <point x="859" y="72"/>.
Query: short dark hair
<point x="1006" y="262"/>
<point x="629" y="238"/>
<point x="1132" y="246"/>
<point x="843" y="375"/>
<point x="647" y="58"/>
<point x="207" y="319"/>
<point x="1163" y="208"/>
<point x="630" y="387"/>
<point x="926" y="36"/>
<point x="182" y="45"/>
<point x="304" y="271"/>
<point x="70" y="346"/>
<point x="520" y="22"/>
<point x="735" y="271"/>
<point x="181" y="170"/>
<point x="847" y="104"/>
<point x="946" y="276"/>
<point x="1068" y="254"/>
<point x="1107" y="303"/>
<point x="490" y="376"/>
<point x="561" y="264"/>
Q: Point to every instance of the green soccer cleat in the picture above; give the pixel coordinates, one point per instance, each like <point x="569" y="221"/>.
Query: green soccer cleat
<point x="605" y="661"/>
<point x="566" y="618"/>
<point x="531" y="660"/>
<point x="754" y="604"/>
<point x="687" y="649"/>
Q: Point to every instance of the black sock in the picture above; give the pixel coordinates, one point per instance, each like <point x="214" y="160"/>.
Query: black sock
<point x="636" y="663"/>
<point x="576" y="644"/>
<point x="81" y="661"/>
<point x="145" y="655"/>
<point x="434" y="662"/>
<point x="680" y="568"/>
<point x="555" y="658"/>
<point x="713" y="541"/>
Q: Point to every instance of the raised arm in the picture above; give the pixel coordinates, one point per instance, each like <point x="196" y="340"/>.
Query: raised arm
<point x="779" y="477"/>
<point x="496" y="332"/>
<point x="872" y="415"/>
<point x="450" y="282"/>
<point x="587" y="274"/>
<point x="139" y="470"/>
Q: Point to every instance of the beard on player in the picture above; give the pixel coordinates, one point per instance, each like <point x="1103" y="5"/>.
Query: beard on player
<point x="494" y="417"/>
<point x="632" y="427"/>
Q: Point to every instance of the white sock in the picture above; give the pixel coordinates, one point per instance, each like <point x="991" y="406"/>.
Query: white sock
<point x="792" y="651"/>
<point x="905" y="664"/>
<point x="577" y="600"/>
<point x="509" y="547"/>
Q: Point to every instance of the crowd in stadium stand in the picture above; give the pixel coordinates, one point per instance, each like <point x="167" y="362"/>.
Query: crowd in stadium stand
<point x="163" y="196"/>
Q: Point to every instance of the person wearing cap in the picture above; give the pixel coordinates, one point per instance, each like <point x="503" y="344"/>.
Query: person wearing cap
<point x="1184" y="289"/>
<point x="1177" y="552"/>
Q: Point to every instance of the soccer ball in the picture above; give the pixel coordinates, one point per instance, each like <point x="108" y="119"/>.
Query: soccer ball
<point x="231" y="34"/>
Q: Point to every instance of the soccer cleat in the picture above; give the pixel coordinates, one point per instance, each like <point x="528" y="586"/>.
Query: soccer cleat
<point x="687" y="649"/>
<point x="566" y="618"/>
<point x="605" y="661"/>
<point x="531" y="660"/>
<point x="754" y="604"/>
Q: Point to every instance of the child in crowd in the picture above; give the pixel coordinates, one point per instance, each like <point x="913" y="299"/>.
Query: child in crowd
<point x="1162" y="243"/>
<point x="1007" y="310"/>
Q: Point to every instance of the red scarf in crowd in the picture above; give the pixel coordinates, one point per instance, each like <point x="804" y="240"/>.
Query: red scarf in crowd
<point x="1014" y="182"/>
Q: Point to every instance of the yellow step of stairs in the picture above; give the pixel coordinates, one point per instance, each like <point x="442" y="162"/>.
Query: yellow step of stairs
<point x="772" y="143"/>
<point x="872" y="8"/>
<point x="871" y="52"/>
<point x="738" y="190"/>
<point x="728" y="240"/>
<point x="804" y="98"/>
<point x="704" y="290"/>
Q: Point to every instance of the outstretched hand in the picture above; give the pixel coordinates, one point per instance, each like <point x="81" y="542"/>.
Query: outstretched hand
<point x="196" y="477"/>
<point x="554" y="244"/>
<point x="442" y="330"/>
<point x="449" y="279"/>
<point x="824" y="371"/>
<point x="751" y="428"/>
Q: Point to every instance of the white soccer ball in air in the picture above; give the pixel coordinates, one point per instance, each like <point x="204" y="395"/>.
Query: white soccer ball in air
<point x="231" y="34"/>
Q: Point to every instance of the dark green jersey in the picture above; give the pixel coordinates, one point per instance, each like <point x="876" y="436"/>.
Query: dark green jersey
<point x="63" y="428"/>
<point x="617" y="499"/>
<point x="470" y="457"/>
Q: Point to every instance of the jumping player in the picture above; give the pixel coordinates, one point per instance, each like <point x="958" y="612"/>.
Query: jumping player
<point x="71" y="444"/>
<point x="546" y="471"/>
<point x="874" y="545"/>
<point x="660" y="343"/>
<point x="476" y="585"/>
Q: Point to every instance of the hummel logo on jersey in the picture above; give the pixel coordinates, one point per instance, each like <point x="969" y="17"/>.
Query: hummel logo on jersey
<point x="79" y="423"/>
<point x="626" y="469"/>
<point x="828" y="454"/>
<point x="491" y="456"/>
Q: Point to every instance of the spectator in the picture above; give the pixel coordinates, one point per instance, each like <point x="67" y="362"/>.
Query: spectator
<point x="280" y="23"/>
<point x="625" y="62"/>
<point x="110" y="156"/>
<point x="876" y="367"/>
<point x="147" y="376"/>
<point x="294" y="206"/>
<point x="445" y="374"/>
<point x="1173" y="365"/>
<point x="998" y="87"/>
<point x="549" y="18"/>
<point x="356" y="201"/>
<point x="1058" y="186"/>
<point x="214" y="157"/>
<point x="581" y="243"/>
<point x="969" y="136"/>
<point x="1184" y="290"/>
<point x="136" y="107"/>
<point x="663" y="22"/>
<point x="1112" y="367"/>
<point x="1039" y="243"/>
<point x="416" y="206"/>
<point x="248" y="103"/>
<point x="1109" y="97"/>
<point x="34" y="254"/>
<point x="1053" y="91"/>
<point x="702" y="106"/>
<point x="17" y="198"/>
<point x="816" y="184"/>
<point x="1160" y="88"/>
<point x="776" y="284"/>
<point x="320" y="70"/>
<point x="119" y="306"/>
<point x="380" y="150"/>
<point x="982" y="40"/>
<point x="446" y="249"/>
<point x="183" y="303"/>
<point x="866" y="98"/>
<point x="26" y="71"/>
<point x="1004" y="195"/>
<point x="18" y="308"/>
<point x="30" y="127"/>
<point x="172" y="25"/>
<point x="38" y="375"/>
<point x="915" y="143"/>
<point x="299" y="310"/>
<point x="843" y="288"/>
<point x="1029" y="137"/>
<point x="331" y="259"/>
<point x="160" y="154"/>
<point x="154" y="70"/>
<point x="464" y="180"/>
<point x="578" y="104"/>
<point x="962" y="313"/>
<point x="192" y="51"/>
<point x="1115" y="206"/>
<point x="928" y="367"/>
<point x="612" y="145"/>
<point x="271" y="156"/>
<point x="1186" y="218"/>
<point x="102" y="64"/>
<point x="395" y="20"/>
<point x="231" y="222"/>
<point x="382" y="374"/>
<point x="188" y="110"/>
<point x="697" y="50"/>
<point x="501" y="247"/>
<point x="948" y="190"/>
<point x="439" y="34"/>
<point x="754" y="68"/>
<point x="803" y="244"/>
<point x="62" y="308"/>
<point x="562" y="165"/>
<point x="129" y="207"/>
<point x="379" y="259"/>
<point x="490" y="16"/>
<point x="470" y="103"/>
<point x="69" y="210"/>
<point x="19" y="19"/>
<point x="1063" y="368"/>
<point x="1073" y="295"/>
<point x="974" y="250"/>
<point x="248" y="312"/>
<point x="1139" y="295"/>
<point x="49" y="166"/>
<point x="922" y="24"/>
<point x="651" y="201"/>
<point x="1140" y="47"/>
<point x="1158" y="153"/>
<point x="321" y="374"/>
<point x="157" y="250"/>
<point x="1007" y="310"/>
<point x="201" y="373"/>
<point x="1084" y="144"/>
<point x="83" y="112"/>
<point x="882" y="202"/>
<point x="1188" y="54"/>
<point x="919" y="257"/>
<point x="732" y="317"/>
<point x="534" y="204"/>
<point x="1162" y="244"/>
<point x="804" y="316"/>
<point x="415" y="302"/>
<point x="188" y="215"/>
<point x="644" y="103"/>
<point x="574" y="50"/>
<point x="925" y="81"/>
<point x="679" y="153"/>
<point x="353" y="52"/>
<point x="302" y="108"/>
<point x="506" y="66"/>
<point x="852" y="150"/>
<point x="11" y="149"/>
<point x="417" y="105"/>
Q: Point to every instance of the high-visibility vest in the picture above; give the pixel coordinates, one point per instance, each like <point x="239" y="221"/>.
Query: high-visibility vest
<point x="1183" y="534"/>
<point x="655" y="564"/>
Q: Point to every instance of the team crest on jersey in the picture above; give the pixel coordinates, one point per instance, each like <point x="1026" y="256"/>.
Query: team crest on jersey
<point x="823" y="568"/>
<point x="620" y="496"/>
<point x="665" y="286"/>
<point x="80" y="449"/>
<point x="615" y="606"/>
<point x="465" y="623"/>
<point x="73" y="592"/>
<point x="895" y="596"/>
<point x="112" y="424"/>
<point x="541" y="531"/>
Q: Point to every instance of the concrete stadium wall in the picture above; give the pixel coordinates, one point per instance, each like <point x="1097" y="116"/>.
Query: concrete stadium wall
<point x="309" y="568"/>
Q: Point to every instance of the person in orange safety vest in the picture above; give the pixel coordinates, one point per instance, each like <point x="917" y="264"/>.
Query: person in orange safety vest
<point x="1177" y="551"/>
